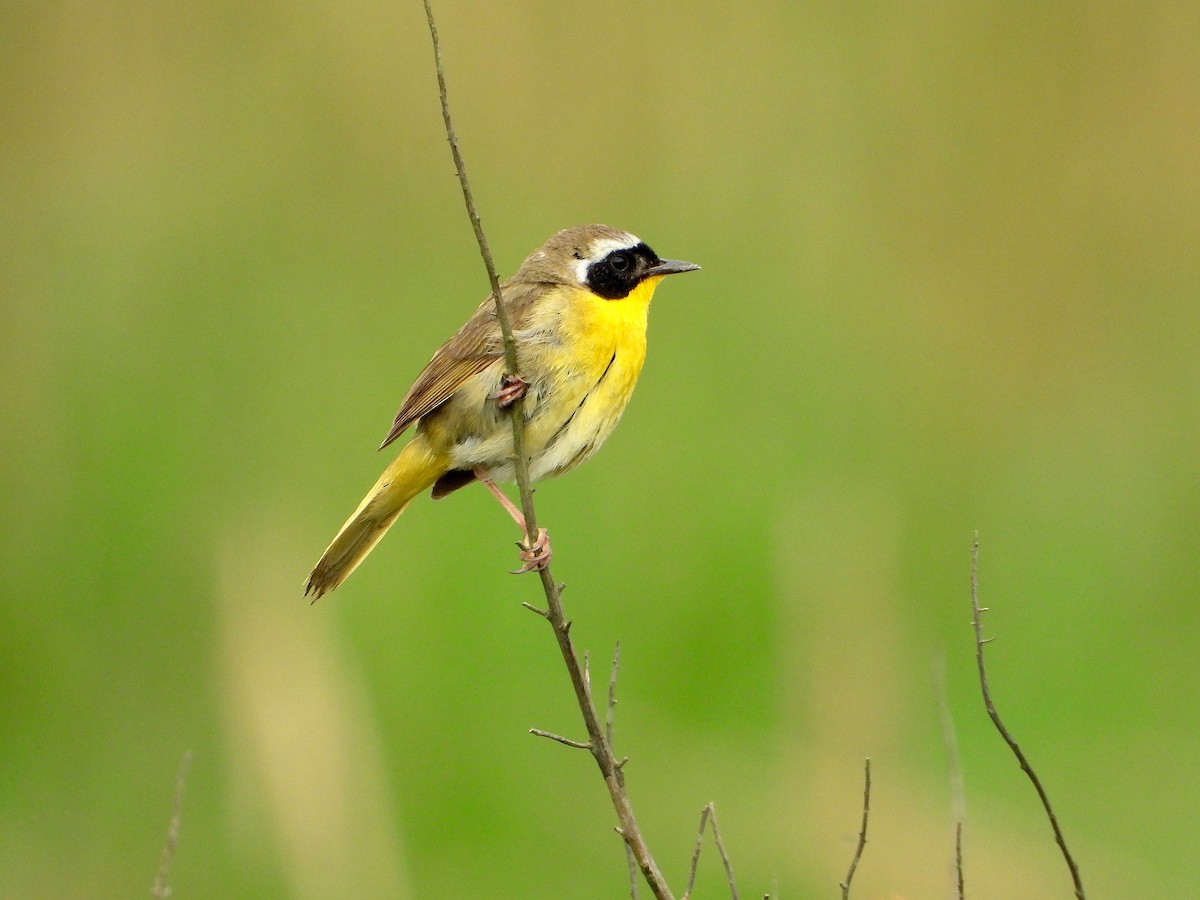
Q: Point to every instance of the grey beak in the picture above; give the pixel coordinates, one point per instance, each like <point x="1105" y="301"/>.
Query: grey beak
<point x="671" y="267"/>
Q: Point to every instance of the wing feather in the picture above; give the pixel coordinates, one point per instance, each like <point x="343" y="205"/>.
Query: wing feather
<point x="472" y="349"/>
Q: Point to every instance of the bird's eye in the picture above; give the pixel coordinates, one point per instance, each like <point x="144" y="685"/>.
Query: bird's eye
<point x="620" y="262"/>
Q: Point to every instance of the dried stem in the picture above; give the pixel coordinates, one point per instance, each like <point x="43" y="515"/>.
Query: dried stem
<point x="612" y="694"/>
<point x="578" y="745"/>
<point x="862" y="832"/>
<point x="977" y="624"/>
<point x="609" y="716"/>
<point x="161" y="889"/>
<point x="633" y="873"/>
<point x="601" y="750"/>
<point x="707" y="815"/>
<point x="953" y="763"/>
<point x="958" y="866"/>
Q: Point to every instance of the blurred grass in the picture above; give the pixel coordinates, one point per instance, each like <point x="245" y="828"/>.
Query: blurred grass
<point x="950" y="281"/>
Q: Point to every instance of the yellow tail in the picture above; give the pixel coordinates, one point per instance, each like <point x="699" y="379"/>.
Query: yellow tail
<point x="416" y="468"/>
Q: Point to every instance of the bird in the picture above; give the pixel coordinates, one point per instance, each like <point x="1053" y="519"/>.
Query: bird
<point x="578" y="309"/>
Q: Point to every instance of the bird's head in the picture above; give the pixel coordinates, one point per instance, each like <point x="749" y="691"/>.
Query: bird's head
<point x="606" y="261"/>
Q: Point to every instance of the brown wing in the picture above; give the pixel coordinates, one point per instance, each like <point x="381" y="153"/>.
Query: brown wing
<point x="475" y="347"/>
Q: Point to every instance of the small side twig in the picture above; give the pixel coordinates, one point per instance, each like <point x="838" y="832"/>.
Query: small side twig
<point x="862" y="832"/>
<point x="161" y="889"/>
<point x="578" y="745"/>
<point x="630" y="862"/>
<point x="612" y="694"/>
<point x="977" y="624"/>
<point x="709" y="815"/>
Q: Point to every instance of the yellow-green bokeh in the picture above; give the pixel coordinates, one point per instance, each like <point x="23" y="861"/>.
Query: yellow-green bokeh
<point x="951" y="273"/>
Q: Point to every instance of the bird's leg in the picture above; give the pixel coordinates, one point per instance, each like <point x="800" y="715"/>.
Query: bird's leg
<point x="512" y="389"/>
<point x="535" y="551"/>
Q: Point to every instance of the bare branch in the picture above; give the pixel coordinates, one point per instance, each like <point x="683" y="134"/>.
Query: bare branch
<point x="600" y="748"/>
<point x="162" y="889"/>
<point x="977" y="624"/>
<point x="709" y="815"/>
<point x="862" y="833"/>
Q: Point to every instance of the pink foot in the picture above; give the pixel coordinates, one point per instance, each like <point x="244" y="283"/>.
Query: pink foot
<point x="536" y="555"/>
<point x="512" y="389"/>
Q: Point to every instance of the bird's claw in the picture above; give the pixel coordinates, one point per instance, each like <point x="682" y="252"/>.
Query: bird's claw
<point x="535" y="554"/>
<point x="512" y="389"/>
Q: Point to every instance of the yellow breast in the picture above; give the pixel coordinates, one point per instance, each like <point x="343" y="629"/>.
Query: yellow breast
<point x="587" y="375"/>
<point x="581" y="355"/>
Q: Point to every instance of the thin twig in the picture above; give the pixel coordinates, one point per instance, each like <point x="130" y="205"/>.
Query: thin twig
<point x="162" y="889"/>
<point x="958" y="866"/>
<point x="953" y="764"/>
<point x="862" y="832"/>
<point x="977" y="624"/>
<point x="632" y="865"/>
<point x="517" y="409"/>
<point x="709" y="815"/>
<point x="612" y="694"/>
<point x="601" y="750"/>
<point x="630" y="862"/>
<point x="721" y="850"/>
<point x="691" y="883"/>
<point x="578" y="745"/>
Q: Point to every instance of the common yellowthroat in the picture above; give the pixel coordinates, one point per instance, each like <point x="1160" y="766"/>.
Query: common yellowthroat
<point x="578" y="309"/>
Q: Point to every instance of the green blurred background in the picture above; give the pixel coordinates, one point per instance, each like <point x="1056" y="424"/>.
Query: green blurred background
<point x="950" y="283"/>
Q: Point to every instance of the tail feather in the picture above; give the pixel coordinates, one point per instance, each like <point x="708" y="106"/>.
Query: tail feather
<point x="416" y="468"/>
